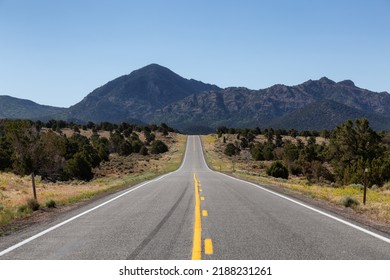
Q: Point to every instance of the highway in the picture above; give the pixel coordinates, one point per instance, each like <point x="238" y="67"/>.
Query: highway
<point x="196" y="213"/>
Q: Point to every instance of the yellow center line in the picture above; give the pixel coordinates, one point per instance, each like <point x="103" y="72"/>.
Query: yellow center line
<point x="202" y="198"/>
<point x="197" y="240"/>
<point x="208" y="247"/>
<point x="205" y="213"/>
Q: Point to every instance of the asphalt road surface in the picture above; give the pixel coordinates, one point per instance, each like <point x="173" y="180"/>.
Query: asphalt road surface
<point x="196" y="213"/>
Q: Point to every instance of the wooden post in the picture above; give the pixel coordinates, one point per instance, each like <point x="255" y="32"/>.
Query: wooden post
<point x="33" y="185"/>
<point x="365" y="186"/>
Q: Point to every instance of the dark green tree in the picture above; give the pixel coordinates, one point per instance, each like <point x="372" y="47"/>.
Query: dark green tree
<point x="143" y="151"/>
<point x="268" y="151"/>
<point x="78" y="167"/>
<point x="158" y="147"/>
<point x="353" y="148"/>
<point x="124" y="148"/>
<point x="244" y="143"/>
<point x="103" y="148"/>
<point x="231" y="150"/>
<point x="278" y="170"/>
<point x="136" y="146"/>
<point x="6" y="152"/>
<point x="257" y="152"/>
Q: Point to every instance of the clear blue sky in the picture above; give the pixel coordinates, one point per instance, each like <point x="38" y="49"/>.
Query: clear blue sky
<point x="56" y="52"/>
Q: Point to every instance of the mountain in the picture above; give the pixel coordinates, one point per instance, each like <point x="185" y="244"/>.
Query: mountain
<point x="155" y="94"/>
<point x="325" y="114"/>
<point x="282" y="106"/>
<point x="13" y="108"/>
<point x="136" y="96"/>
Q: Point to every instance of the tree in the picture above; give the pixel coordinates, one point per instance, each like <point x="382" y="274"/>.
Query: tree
<point x="124" y="148"/>
<point x="268" y="151"/>
<point x="244" y="143"/>
<point x="158" y="147"/>
<point x="78" y="167"/>
<point x="310" y="151"/>
<point x="143" y="151"/>
<point x="269" y="134"/>
<point x="278" y="139"/>
<point x="24" y="138"/>
<point x="325" y="134"/>
<point x="118" y="143"/>
<point x="5" y="154"/>
<point x="221" y="130"/>
<point x="257" y="152"/>
<point x="149" y="137"/>
<point x="103" y="148"/>
<point x="290" y="154"/>
<point x="33" y="152"/>
<point x="52" y="156"/>
<point x="278" y="170"/>
<point x="136" y="146"/>
<point x="293" y="133"/>
<point x="230" y="150"/>
<point x="353" y="148"/>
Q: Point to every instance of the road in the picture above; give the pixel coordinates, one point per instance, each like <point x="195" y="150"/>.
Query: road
<point x="196" y="213"/>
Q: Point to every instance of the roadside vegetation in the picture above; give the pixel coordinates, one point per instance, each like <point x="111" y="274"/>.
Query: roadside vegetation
<point x="331" y="166"/>
<point x="73" y="162"/>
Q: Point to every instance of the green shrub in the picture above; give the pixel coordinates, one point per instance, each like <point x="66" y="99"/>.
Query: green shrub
<point x="6" y="216"/>
<point x="33" y="204"/>
<point x="136" y="146"/>
<point x="158" y="147"/>
<point x="268" y="152"/>
<point x="257" y="152"/>
<point x="78" y="167"/>
<point x="350" y="201"/>
<point x="143" y="151"/>
<point x="125" y="148"/>
<point x="22" y="209"/>
<point x="296" y="169"/>
<point x="231" y="150"/>
<point x="278" y="170"/>
<point x="51" y="203"/>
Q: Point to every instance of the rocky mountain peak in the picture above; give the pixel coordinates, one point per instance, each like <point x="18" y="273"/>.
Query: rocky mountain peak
<point x="325" y="80"/>
<point x="347" y="83"/>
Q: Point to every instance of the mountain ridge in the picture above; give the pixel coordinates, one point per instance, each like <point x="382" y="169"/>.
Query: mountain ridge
<point x="155" y="94"/>
<point x="139" y="93"/>
<point x="12" y="108"/>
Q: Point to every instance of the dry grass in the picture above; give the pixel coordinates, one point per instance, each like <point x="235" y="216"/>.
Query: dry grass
<point x="15" y="190"/>
<point x="87" y="133"/>
<point x="377" y="207"/>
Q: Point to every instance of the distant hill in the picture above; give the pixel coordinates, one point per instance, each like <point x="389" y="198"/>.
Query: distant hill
<point x="155" y="94"/>
<point x="14" y="108"/>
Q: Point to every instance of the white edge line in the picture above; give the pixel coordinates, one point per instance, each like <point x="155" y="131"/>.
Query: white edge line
<point x="378" y="236"/>
<point x="10" y="249"/>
